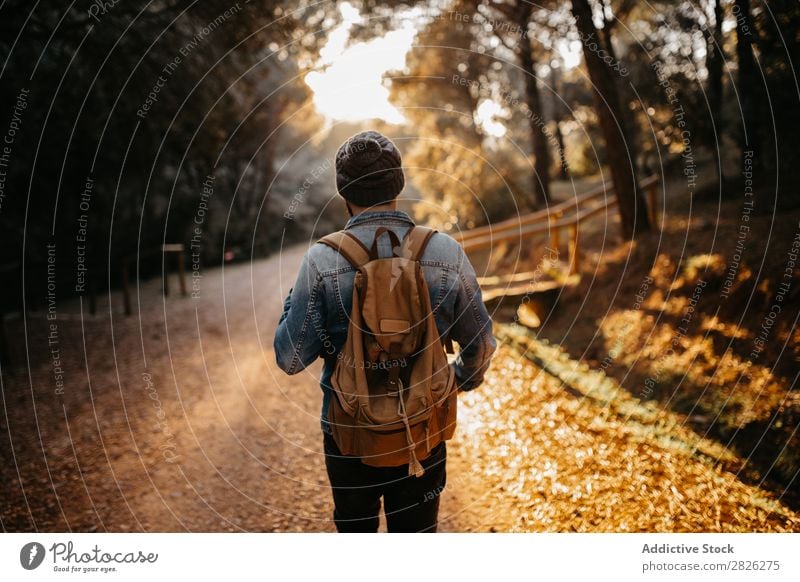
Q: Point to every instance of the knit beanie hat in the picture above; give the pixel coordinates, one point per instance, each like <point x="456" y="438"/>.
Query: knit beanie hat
<point x="369" y="169"/>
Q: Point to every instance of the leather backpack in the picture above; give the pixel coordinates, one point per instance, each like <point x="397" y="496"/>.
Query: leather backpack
<point x="394" y="392"/>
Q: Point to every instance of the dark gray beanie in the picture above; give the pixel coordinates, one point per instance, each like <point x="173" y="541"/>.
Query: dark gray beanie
<point x="369" y="169"/>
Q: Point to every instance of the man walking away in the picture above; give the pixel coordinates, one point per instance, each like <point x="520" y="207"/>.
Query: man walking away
<point x="378" y="301"/>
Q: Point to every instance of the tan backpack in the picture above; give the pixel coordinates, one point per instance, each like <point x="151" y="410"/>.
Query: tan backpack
<point x="395" y="395"/>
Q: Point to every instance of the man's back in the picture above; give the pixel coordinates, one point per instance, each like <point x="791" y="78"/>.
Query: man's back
<point x="325" y="289"/>
<point x="315" y="321"/>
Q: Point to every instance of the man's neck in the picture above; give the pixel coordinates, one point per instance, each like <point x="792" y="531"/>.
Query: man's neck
<point x="356" y="210"/>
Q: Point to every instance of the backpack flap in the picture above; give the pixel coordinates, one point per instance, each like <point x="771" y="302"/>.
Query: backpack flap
<point x="391" y="308"/>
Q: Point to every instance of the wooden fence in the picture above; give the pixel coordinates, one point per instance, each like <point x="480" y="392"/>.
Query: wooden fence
<point x="551" y="221"/>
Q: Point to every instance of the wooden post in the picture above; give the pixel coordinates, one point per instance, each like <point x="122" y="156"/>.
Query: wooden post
<point x="29" y="300"/>
<point x="126" y="292"/>
<point x="178" y="250"/>
<point x="554" y="232"/>
<point x="5" y="356"/>
<point x="652" y="194"/>
<point x="181" y="270"/>
<point x="165" y="276"/>
<point x="574" y="249"/>
<point x="92" y="296"/>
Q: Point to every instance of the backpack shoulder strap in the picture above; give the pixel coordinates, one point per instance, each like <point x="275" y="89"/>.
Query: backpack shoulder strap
<point x="416" y="240"/>
<point x="348" y="246"/>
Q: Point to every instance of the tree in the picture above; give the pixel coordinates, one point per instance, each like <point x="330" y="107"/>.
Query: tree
<point x="440" y="93"/>
<point x="774" y="30"/>
<point x="146" y="105"/>
<point x="715" y="57"/>
<point x="558" y="115"/>
<point x="632" y="210"/>
<point x="536" y="121"/>
<point x="749" y="86"/>
<point x="520" y="15"/>
<point x="611" y="18"/>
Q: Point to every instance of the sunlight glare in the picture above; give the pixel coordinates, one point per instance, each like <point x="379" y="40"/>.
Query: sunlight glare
<point x="570" y="52"/>
<point x="490" y="117"/>
<point x="350" y="85"/>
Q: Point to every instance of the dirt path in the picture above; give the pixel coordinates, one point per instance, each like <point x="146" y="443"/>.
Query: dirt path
<point x="187" y="424"/>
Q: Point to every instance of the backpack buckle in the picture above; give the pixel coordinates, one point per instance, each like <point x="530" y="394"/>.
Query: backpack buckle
<point x="395" y="384"/>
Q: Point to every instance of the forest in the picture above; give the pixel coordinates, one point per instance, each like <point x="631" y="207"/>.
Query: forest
<point x="144" y="101"/>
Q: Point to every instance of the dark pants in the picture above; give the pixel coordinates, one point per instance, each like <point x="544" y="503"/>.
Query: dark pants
<point x="411" y="503"/>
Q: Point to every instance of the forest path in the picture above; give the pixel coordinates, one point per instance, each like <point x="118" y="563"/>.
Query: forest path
<point x="188" y="424"/>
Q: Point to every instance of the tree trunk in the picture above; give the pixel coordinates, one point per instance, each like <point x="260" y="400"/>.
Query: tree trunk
<point x="749" y="85"/>
<point x="562" y="153"/>
<point x="714" y="60"/>
<point x="632" y="209"/>
<point x="558" y="114"/>
<point x="541" y="153"/>
<point x="627" y="116"/>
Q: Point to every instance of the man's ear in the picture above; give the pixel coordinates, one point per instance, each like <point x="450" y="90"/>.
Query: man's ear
<point x="349" y="210"/>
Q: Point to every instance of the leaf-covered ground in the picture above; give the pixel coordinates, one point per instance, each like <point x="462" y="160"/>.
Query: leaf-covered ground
<point x="538" y="452"/>
<point x="177" y="419"/>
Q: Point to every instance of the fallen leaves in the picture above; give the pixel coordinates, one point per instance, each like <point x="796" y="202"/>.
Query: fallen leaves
<point x="550" y="460"/>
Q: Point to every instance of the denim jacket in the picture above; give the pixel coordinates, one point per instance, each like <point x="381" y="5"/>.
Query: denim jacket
<point x="316" y="312"/>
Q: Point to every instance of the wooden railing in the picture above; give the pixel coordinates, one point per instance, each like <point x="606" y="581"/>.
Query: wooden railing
<point x="551" y="221"/>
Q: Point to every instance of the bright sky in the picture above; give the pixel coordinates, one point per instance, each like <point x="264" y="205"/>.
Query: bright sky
<point x="349" y="85"/>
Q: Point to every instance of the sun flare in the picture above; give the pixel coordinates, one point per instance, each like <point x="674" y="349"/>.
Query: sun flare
<point x="349" y="85"/>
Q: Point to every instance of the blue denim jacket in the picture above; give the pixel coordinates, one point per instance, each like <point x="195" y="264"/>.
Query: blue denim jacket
<point x="316" y="312"/>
